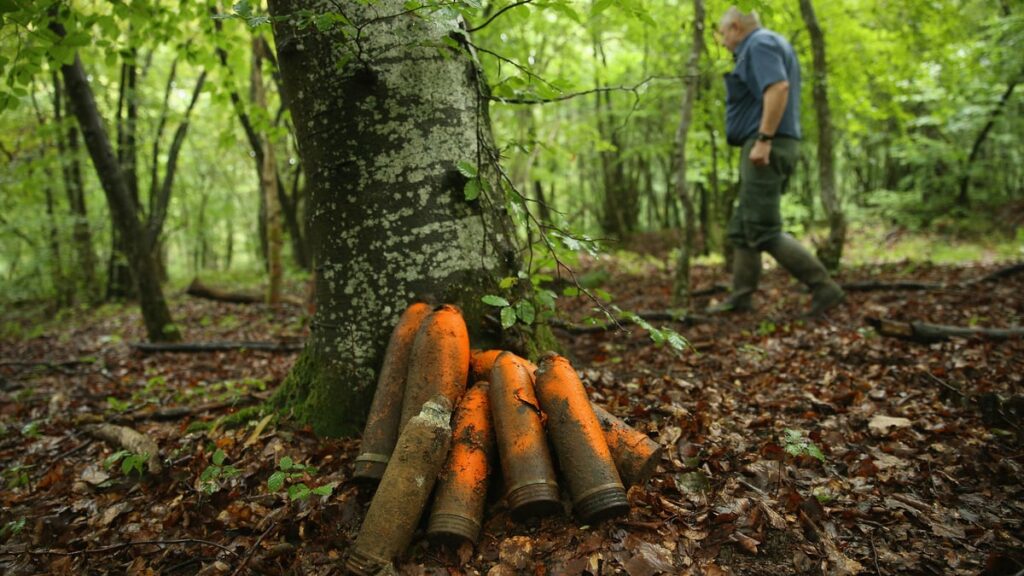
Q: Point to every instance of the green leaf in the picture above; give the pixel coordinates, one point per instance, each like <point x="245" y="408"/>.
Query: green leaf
<point x="325" y="490"/>
<point x="298" y="491"/>
<point x="115" y="458"/>
<point x="472" y="189"/>
<point x="210" y="473"/>
<point x="525" y="311"/>
<point x="507" y="282"/>
<point x="276" y="481"/>
<point x="492" y="300"/>
<point x="814" y="451"/>
<point x="286" y="463"/>
<point x="218" y="457"/>
<point x="508" y="317"/>
<point x="467" y="169"/>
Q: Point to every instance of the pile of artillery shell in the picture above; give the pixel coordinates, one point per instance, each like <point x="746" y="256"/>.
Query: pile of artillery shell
<point x="515" y="411"/>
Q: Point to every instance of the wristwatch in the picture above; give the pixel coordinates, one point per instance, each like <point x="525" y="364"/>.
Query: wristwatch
<point x="762" y="137"/>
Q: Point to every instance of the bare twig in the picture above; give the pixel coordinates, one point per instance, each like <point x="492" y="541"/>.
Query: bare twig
<point x="499" y="13"/>
<point x="113" y="547"/>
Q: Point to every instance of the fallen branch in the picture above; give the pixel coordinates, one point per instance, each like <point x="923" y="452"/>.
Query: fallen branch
<point x="130" y="440"/>
<point x="1000" y="274"/>
<point x="928" y="333"/>
<point x="118" y="547"/>
<point x="876" y="286"/>
<point x="655" y="316"/>
<point x="200" y="290"/>
<point x="216" y="346"/>
<point x="914" y="286"/>
<point x="177" y="412"/>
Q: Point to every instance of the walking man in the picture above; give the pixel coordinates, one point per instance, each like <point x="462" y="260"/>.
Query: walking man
<point x="762" y="115"/>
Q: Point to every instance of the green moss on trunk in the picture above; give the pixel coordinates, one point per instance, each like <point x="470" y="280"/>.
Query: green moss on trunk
<point x="332" y="398"/>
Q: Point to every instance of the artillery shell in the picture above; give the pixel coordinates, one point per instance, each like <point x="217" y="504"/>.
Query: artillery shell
<point x="381" y="431"/>
<point x="530" y="485"/>
<point x="481" y="362"/>
<point x="462" y="490"/>
<point x="402" y="494"/>
<point x="579" y="442"/>
<point x="635" y="454"/>
<point x="438" y="362"/>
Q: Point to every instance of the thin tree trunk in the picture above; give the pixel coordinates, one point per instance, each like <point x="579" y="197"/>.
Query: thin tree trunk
<point x="71" y="170"/>
<point x="831" y="253"/>
<point x="681" y="289"/>
<point x="120" y="283"/>
<point x="289" y="206"/>
<point x="964" y="198"/>
<point x="268" y="181"/>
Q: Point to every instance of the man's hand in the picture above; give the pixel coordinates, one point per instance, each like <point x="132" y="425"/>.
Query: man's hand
<point x="761" y="152"/>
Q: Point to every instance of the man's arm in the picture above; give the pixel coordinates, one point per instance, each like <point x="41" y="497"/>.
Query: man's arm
<point x="773" y="106"/>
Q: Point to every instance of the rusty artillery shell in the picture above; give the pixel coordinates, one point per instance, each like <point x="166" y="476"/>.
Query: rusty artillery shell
<point x="381" y="431"/>
<point x="438" y="362"/>
<point x="580" y="445"/>
<point x="403" y="491"/>
<point x="530" y="485"/>
<point x="462" y="489"/>
<point x="635" y="454"/>
<point x="481" y="362"/>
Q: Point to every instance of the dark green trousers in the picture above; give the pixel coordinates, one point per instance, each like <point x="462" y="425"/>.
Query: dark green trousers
<point x="758" y="218"/>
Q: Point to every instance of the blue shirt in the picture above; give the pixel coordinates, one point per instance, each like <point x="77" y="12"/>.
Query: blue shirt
<point x="762" y="59"/>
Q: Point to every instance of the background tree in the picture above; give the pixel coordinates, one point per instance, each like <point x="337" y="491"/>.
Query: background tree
<point x="831" y="251"/>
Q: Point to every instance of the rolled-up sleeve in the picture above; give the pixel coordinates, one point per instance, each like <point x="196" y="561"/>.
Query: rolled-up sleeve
<point x="765" y="66"/>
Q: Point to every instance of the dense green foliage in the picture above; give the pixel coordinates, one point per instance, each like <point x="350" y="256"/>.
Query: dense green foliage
<point x="585" y="102"/>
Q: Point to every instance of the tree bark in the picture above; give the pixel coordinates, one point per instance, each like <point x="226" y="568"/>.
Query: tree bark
<point x="681" y="289"/>
<point x="831" y="253"/>
<point x="382" y="117"/>
<point x="155" y="313"/>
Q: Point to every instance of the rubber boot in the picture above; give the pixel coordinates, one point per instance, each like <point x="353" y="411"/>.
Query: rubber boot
<point x="746" y="271"/>
<point x="805" y="267"/>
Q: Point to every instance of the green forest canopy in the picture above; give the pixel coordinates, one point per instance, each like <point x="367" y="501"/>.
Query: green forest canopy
<point x="585" y="105"/>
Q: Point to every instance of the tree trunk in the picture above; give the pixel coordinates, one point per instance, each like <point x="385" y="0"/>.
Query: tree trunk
<point x="74" y="189"/>
<point x="155" y="314"/>
<point x="120" y="284"/>
<point x="268" y="181"/>
<point x="388" y="220"/>
<point x="831" y="252"/>
<point x="964" y="199"/>
<point x="681" y="289"/>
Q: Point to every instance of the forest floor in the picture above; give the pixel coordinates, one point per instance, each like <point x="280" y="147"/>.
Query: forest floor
<point x="921" y="444"/>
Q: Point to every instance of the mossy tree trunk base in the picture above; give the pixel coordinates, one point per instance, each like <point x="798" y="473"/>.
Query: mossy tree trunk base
<point x="319" y="392"/>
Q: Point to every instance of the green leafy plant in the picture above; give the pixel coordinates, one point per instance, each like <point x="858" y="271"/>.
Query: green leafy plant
<point x="130" y="461"/>
<point x="474" y="183"/>
<point x="16" y="476"/>
<point x="31" y="429"/>
<point x="211" y="478"/>
<point x="796" y="444"/>
<point x="287" y="471"/>
<point x="521" y="310"/>
<point x="118" y="405"/>
<point x="11" y="528"/>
